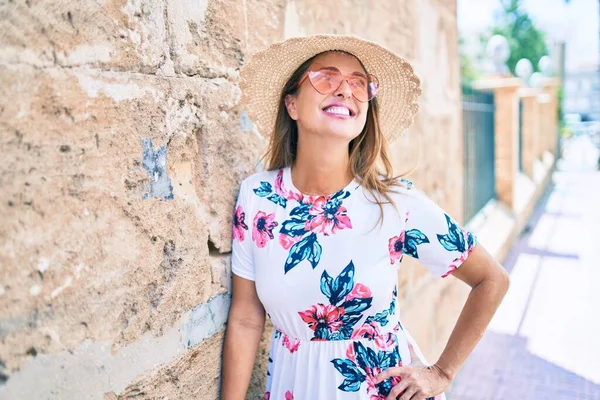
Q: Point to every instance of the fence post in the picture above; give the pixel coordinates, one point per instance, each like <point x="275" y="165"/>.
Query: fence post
<point x="550" y="116"/>
<point x="531" y="129"/>
<point x="507" y="134"/>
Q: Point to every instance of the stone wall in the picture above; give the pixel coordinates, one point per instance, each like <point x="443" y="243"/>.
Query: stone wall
<point x="124" y="144"/>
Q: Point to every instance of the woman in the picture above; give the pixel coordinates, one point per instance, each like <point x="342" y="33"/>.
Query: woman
<point x="318" y="237"/>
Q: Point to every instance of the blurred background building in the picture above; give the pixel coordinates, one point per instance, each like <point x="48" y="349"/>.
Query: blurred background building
<point x="582" y="93"/>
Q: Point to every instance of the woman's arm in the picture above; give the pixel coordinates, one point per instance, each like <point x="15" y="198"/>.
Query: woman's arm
<point x="244" y="329"/>
<point x="489" y="282"/>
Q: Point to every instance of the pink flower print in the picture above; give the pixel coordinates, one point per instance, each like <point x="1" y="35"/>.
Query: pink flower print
<point x="327" y="217"/>
<point x="287" y="241"/>
<point x="289" y="395"/>
<point x="291" y="344"/>
<point x="283" y="191"/>
<point x="267" y="395"/>
<point x="372" y="373"/>
<point x="263" y="228"/>
<point x="323" y="317"/>
<point x="385" y="342"/>
<point x="453" y="267"/>
<point x="307" y="199"/>
<point x="359" y="291"/>
<point x="365" y="331"/>
<point x="350" y="355"/>
<point x="279" y="186"/>
<point x="239" y="224"/>
<point x="395" y="246"/>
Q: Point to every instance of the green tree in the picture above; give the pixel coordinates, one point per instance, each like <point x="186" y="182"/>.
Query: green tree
<point x="468" y="72"/>
<point x="524" y="38"/>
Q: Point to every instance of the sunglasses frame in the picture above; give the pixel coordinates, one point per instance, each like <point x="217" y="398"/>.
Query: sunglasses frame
<point x="344" y="78"/>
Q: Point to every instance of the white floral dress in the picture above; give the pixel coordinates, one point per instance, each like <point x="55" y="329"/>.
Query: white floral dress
<point x="326" y="273"/>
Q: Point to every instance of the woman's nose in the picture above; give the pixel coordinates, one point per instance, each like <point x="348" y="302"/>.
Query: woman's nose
<point x="343" y="90"/>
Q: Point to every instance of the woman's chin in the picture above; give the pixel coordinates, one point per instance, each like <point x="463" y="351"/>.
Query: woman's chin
<point x="336" y="132"/>
<point x="343" y="135"/>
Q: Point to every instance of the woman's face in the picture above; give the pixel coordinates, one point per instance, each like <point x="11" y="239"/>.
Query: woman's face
<point x="324" y="114"/>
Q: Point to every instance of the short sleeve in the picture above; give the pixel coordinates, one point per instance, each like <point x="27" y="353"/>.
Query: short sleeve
<point x="242" y="263"/>
<point x="433" y="237"/>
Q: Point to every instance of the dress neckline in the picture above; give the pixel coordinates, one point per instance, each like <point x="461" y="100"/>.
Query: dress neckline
<point x="287" y="180"/>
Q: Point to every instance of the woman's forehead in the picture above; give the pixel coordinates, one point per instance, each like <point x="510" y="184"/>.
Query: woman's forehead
<point x="345" y="62"/>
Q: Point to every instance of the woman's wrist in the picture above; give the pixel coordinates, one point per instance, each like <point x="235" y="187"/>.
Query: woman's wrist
<point x="446" y="371"/>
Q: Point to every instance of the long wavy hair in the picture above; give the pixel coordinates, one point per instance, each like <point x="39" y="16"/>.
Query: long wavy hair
<point x="369" y="154"/>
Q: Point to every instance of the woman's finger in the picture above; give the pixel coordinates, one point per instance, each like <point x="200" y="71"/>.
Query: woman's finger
<point x="397" y="390"/>
<point x="409" y="394"/>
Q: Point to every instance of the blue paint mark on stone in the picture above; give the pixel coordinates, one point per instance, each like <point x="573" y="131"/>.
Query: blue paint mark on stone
<point x="155" y="163"/>
<point x="205" y="320"/>
<point x="246" y="124"/>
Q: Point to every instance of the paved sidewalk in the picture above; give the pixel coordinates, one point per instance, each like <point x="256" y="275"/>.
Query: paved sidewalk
<point x="544" y="342"/>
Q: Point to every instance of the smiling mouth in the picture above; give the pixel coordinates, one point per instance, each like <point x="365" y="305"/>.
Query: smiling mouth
<point x="336" y="110"/>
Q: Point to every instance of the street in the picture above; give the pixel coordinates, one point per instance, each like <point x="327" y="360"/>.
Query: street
<point x="544" y="341"/>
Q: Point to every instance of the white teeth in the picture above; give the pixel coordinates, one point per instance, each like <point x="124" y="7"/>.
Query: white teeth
<point x="337" y="110"/>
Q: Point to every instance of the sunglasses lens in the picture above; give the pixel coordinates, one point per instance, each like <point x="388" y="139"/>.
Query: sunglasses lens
<point x="327" y="82"/>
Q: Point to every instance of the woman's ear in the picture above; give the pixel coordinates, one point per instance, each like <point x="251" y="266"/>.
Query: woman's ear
<point x="290" y="105"/>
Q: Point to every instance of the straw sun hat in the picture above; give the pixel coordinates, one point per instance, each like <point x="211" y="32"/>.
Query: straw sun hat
<point x="265" y="74"/>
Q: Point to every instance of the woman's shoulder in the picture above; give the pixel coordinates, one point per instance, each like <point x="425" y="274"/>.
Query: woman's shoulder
<point x="260" y="181"/>
<point x="403" y="188"/>
<point x="399" y="191"/>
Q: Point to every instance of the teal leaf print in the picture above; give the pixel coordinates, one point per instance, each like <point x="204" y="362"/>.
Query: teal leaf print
<point x="362" y="356"/>
<point x="342" y="285"/>
<point x="354" y="377"/>
<point x="407" y="183"/>
<point x="339" y="196"/>
<point x="326" y="284"/>
<point x="454" y="240"/>
<point x="315" y="255"/>
<point x="349" y="321"/>
<point x="293" y="227"/>
<point x="414" y="237"/>
<point x="470" y="240"/>
<point x="298" y="253"/>
<point x="381" y="318"/>
<point x="277" y="199"/>
<point x="302" y="250"/>
<point x="357" y="305"/>
<point x="364" y="364"/>
<point x="266" y="190"/>
<point x="301" y="212"/>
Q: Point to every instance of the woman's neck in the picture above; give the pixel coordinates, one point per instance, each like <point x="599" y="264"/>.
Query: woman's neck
<point x="321" y="167"/>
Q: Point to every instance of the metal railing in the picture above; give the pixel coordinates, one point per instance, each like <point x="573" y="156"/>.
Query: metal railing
<point x="479" y="150"/>
<point x="520" y="135"/>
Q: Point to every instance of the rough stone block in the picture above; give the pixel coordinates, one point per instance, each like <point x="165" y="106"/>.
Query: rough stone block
<point x="116" y="34"/>
<point x="111" y="263"/>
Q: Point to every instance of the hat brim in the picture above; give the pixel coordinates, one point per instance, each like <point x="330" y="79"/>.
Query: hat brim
<point x="263" y="77"/>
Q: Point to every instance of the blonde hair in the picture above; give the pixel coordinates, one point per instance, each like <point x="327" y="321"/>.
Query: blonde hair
<point x="369" y="152"/>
